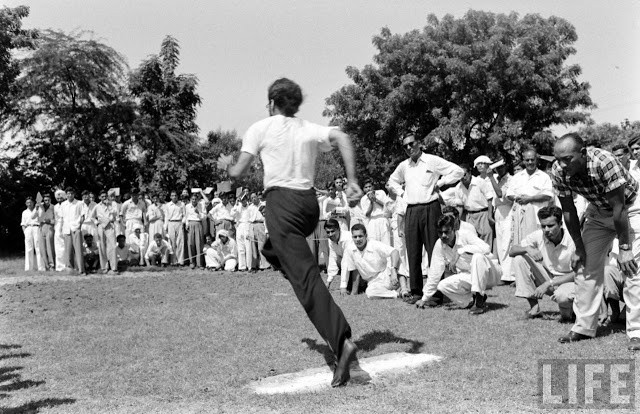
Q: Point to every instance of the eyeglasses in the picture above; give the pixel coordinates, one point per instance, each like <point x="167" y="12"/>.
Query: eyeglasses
<point x="408" y="146"/>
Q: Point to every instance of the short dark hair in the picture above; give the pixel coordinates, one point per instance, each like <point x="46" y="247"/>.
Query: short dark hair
<point x="446" y="220"/>
<point x="332" y="224"/>
<point x="70" y="190"/>
<point x="28" y="198"/>
<point x="465" y="167"/>
<point x="451" y="210"/>
<point x="550" y="211"/>
<point x="88" y="236"/>
<point x="157" y="236"/>
<point x="45" y="195"/>
<point x="286" y="95"/>
<point x="121" y="237"/>
<point x="368" y="181"/>
<point x="359" y="226"/>
<point x="620" y="147"/>
<point x="85" y="193"/>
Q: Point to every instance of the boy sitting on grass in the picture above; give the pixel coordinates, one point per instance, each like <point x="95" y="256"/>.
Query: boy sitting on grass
<point x="159" y="252"/>
<point x="90" y="255"/>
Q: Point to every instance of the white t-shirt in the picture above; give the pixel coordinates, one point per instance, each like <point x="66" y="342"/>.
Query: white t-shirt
<point x="288" y="148"/>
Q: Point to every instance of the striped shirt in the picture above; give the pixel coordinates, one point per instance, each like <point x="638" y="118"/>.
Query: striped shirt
<point x="604" y="174"/>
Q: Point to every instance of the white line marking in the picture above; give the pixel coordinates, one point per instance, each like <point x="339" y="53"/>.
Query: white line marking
<point x="315" y="379"/>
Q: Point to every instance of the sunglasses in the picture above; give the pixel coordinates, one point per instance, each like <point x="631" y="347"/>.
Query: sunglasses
<point x="408" y="146"/>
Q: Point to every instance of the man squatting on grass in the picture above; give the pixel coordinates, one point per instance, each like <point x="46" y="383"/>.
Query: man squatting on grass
<point x="615" y="212"/>
<point x="288" y="148"/>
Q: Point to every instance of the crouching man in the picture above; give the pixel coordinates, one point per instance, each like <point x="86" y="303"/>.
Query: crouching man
<point x="124" y="255"/>
<point x="338" y="239"/>
<point x="542" y="265"/>
<point x="369" y="260"/>
<point x="159" y="252"/>
<point x="90" y="255"/>
<point x="467" y="265"/>
<point x="222" y="254"/>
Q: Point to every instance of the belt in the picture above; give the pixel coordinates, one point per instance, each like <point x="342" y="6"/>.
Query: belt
<point x="194" y="221"/>
<point x="423" y="204"/>
<point x="175" y="220"/>
<point x="257" y="221"/>
<point x="478" y="211"/>
<point x="33" y="225"/>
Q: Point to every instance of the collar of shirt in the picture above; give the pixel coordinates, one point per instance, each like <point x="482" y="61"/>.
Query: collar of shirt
<point x="564" y="242"/>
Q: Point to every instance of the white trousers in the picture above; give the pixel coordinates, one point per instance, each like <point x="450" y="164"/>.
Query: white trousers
<point x="212" y="259"/>
<point x="245" y="245"/>
<point x="58" y="242"/>
<point x="400" y="246"/>
<point x="378" y="229"/>
<point x="32" y="256"/>
<point x="381" y="286"/>
<point x="502" y="242"/>
<point x="483" y="274"/>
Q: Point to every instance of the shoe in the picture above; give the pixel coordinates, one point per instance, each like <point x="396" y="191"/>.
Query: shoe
<point x="341" y="374"/>
<point x="634" y="344"/>
<point x="529" y="315"/>
<point x="479" y="307"/>
<point x="411" y="300"/>
<point x="572" y="337"/>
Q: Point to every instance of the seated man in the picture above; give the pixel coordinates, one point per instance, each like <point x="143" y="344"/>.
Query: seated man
<point x="136" y="245"/>
<point x="159" y="252"/>
<point x="223" y="253"/>
<point x="124" y="256"/>
<point x="369" y="260"/>
<point x="90" y="254"/>
<point x="337" y="240"/>
<point x="542" y="265"/>
<point x="460" y="225"/>
<point x="467" y="264"/>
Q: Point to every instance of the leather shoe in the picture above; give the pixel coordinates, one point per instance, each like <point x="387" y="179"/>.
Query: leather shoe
<point x="411" y="300"/>
<point x="529" y="315"/>
<point x="634" y="344"/>
<point x="341" y="375"/>
<point x="572" y="337"/>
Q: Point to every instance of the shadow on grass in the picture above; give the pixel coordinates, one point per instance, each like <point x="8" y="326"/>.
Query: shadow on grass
<point x="367" y="342"/>
<point x="489" y="307"/>
<point x="22" y="355"/>
<point x="10" y="346"/>
<point x="35" y="406"/>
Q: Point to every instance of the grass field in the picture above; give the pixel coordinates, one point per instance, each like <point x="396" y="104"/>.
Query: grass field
<point x="183" y="341"/>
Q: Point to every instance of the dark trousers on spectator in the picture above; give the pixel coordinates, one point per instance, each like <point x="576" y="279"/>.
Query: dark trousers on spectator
<point x="420" y="230"/>
<point x="292" y="215"/>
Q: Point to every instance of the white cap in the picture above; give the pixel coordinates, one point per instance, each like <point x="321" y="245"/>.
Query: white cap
<point x="481" y="159"/>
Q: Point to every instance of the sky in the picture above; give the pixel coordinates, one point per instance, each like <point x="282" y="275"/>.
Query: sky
<point x="237" y="48"/>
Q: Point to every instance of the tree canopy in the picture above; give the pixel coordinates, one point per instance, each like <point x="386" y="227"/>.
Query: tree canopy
<point x="485" y="83"/>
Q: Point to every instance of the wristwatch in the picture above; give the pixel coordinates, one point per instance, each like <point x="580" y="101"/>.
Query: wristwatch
<point x="625" y="247"/>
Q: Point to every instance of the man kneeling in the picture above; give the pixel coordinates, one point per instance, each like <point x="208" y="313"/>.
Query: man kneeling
<point x="542" y="265"/>
<point x="369" y="260"/>
<point x="158" y="252"/>
<point x="467" y="265"/>
<point x="221" y="254"/>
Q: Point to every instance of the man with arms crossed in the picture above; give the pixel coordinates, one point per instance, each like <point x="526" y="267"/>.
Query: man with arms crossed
<point x="613" y="193"/>
<point x="288" y="148"/>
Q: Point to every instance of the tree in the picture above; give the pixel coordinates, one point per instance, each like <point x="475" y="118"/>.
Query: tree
<point x="483" y="84"/>
<point x="165" y="129"/>
<point x="606" y="135"/>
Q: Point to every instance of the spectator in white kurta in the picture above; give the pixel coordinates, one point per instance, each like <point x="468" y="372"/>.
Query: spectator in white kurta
<point x="373" y="205"/>
<point x="372" y="262"/>
<point x="258" y="234"/>
<point x="502" y="207"/>
<point x="31" y="229"/>
<point x="223" y="253"/>
<point x="155" y="216"/>
<point x="475" y="196"/>
<point x="542" y="265"/>
<point x="46" y="217"/>
<point x="58" y="236"/>
<point x="72" y="220"/>
<point x="467" y="265"/>
<point x="531" y="190"/>
<point x="338" y="239"/>
<point x="89" y="225"/>
<point x="243" y="218"/>
<point x="159" y="251"/>
<point x="133" y="212"/>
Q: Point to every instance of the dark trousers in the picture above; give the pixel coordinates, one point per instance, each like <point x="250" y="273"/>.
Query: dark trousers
<point x="420" y="230"/>
<point x="292" y="215"/>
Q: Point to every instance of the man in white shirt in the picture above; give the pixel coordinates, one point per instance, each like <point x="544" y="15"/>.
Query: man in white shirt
<point x="72" y="220"/>
<point x="258" y="233"/>
<point x="133" y="212"/>
<point x="31" y="229"/>
<point x="221" y="213"/>
<point x="530" y="190"/>
<point x="542" y="265"/>
<point x="373" y="205"/>
<point x="106" y="215"/>
<point x="467" y="265"/>
<point x="174" y="227"/>
<point x="475" y="197"/>
<point x="195" y="236"/>
<point x="159" y="251"/>
<point x="243" y="217"/>
<point x="288" y="148"/>
<point x="89" y="225"/>
<point x="622" y="152"/>
<point x="338" y="239"/>
<point x="421" y="175"/>
<point x="222" y="253"/>
<point x="58" y="239"/>
<point x="374" y="262"/>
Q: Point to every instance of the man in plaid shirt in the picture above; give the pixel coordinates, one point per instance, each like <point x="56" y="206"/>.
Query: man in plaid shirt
<point x="599" y="177"/>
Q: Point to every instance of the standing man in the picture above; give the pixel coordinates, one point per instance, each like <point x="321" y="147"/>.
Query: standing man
<point x="195" y="237"/>
<point x="72" y="220"/>
<point x="288" y="148"/>
<point x="476" y="195"/>
<point x="374" y="205"/>
<point x="613" y="193"/>
<point x="422" y="176"/>
<point x="58" y="240"/>
<point x="31" y="229"/>
<point x="89" y="212"/>
<point x="174" y="227"/>
<point x="133" y="212"/>
<point x="107" y="214"/>
<point x="47" y="220"/>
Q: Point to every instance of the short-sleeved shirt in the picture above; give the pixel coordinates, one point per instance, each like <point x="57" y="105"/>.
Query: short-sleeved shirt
<point x="288" y="148"/>
<point x="604" y="174"/>
<point x="475" y="197"/>
<point x="557" y="259"/>
<point x="372" y="260"/>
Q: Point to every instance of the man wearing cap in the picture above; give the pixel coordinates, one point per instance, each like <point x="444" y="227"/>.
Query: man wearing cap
<point x="422" y="175"/>
<point x="31" y="229"/>
<point x="613" y="193"/>
<point x="223" y="253"/>
<point x="530" y="190"/>
<point x="288" y="148"/>
<point x="58" y="238"/>
<point x="133" y="212"/>
<point x="476" y="196"/>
